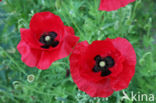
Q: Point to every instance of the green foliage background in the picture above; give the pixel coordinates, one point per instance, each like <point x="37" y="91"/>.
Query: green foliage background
<point x="136" y="22"/>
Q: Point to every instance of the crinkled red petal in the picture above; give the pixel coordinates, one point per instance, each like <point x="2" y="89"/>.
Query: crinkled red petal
<point x="126" y="49"/>
<point x="44" y="22"/>
<point x="110" y="5"/>
<point x="29" y="38"/>
<point x="30" y="56"/>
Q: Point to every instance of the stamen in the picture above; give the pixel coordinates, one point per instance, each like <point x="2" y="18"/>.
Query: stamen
<point x="47" y="38"/>
<point x="102" y="63"/>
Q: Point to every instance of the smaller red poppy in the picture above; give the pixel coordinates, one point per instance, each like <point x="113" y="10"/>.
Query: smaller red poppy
<point x="103" y="67"/>
<point x="47" y="40"/>
<point x="110" y="5"/>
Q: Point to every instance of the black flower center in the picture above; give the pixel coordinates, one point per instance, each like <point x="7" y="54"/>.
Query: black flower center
<point x="103" y="64"/>
<point x="48" y="39"/>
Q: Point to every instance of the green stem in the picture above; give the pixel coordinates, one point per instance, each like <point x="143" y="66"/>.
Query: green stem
<point x="118" y="97"/>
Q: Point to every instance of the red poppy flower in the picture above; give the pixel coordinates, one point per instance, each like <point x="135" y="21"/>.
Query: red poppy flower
<point x="47" y="40"/>
<point x="103" y="67"/>
<point x="110" y="5"/>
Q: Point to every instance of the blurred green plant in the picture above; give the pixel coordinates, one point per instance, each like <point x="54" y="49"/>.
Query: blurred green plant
<point x="134" y="22"/>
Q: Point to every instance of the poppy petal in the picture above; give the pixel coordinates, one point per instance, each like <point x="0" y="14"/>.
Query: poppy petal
<point x="126" y="49"/>
<point x="110" y="5"/>
<point x="46" y="22"/>
<point x="69" y="41"/>
<point x="123" y="80"/>
<point x="29" y="38"/>
<point x="28" y="54"/>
